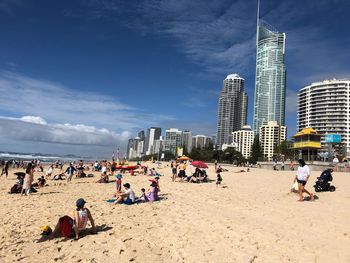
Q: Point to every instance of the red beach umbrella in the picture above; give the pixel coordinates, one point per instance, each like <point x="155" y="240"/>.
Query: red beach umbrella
<point x="199" y="164"/>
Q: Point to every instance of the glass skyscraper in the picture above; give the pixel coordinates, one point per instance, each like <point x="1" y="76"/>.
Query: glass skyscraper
<point x="270" y="78"/>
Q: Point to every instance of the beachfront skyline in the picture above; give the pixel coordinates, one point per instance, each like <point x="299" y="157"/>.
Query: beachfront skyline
<point x="88" y="74"/>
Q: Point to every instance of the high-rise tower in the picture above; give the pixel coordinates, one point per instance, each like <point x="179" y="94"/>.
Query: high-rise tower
<point x="270" y="78"/>
<point x="232" y="109"/>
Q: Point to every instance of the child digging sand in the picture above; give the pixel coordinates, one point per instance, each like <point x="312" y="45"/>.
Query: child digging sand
<point x="218" y="180"/>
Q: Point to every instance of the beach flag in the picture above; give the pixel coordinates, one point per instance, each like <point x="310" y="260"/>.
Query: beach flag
<point x="180" y="151"/>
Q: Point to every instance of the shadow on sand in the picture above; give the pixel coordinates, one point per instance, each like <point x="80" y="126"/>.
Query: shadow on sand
<point x="101" y="228"/>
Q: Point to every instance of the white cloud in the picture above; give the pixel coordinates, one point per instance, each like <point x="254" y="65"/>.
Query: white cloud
<point x="53" y="113"/>
<point x="33" y="119"/>
<point x="29" y="129"/>
<point x="22" y="95"/>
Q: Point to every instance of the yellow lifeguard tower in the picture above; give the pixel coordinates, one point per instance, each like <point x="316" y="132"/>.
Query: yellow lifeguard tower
<point x="307" y="141"/>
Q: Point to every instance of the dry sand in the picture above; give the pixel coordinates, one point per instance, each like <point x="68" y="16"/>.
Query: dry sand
<point x="253" y="219"/>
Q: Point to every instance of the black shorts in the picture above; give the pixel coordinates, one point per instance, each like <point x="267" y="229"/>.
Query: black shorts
<point x="174" y="170"/>
<point x="182" y="173"/>
<point x="301" y="182"/>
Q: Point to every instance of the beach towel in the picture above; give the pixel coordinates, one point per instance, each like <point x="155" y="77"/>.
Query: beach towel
<point x="113" y="200"/>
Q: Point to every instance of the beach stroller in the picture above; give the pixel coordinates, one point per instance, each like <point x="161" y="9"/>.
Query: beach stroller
<point x="322" y="183"/>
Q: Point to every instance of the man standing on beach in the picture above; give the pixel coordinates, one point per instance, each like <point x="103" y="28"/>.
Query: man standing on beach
<point x="174" y="170"/>
<point x="70" y="170"/>
<point x="5" y="170"/>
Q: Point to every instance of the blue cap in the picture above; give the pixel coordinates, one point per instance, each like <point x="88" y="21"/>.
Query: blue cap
<point x="80" y="202"/>
<point x="119" y="176"/>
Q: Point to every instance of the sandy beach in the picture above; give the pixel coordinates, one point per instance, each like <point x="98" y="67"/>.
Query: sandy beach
<point x="253" y="219"/>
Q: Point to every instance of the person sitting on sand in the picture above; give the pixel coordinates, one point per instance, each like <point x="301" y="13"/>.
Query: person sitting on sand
<point x="152" y="194"/>
<point x="203" y="177"/>
<point x="156" y="180"/>
<point x="49" y="171"/>
<point x="104" y="178"/>
<point x="302" y="176"/>
<point x="126" y="197"/>
<point x="58" y="177"/>
<point x="71" y="227"/>
<point x="41" y="181"/>
<point x="193" y="178"/>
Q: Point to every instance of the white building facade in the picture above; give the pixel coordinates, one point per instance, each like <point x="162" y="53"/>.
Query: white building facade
<point x="173" y="140"/>
<point x="153" y="134"/>
<point x="270" y="136"/>
<point x="243" y="139"/>
<point x="325" y="106"/>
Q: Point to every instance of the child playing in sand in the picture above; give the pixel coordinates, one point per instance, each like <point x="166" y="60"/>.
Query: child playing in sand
<point x="218" y="180"/>
<point x="118" y="183"/>
<point x="41" y="181"/>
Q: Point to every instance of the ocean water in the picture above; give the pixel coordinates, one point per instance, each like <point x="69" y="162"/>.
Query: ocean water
<point x="41" y="157"/>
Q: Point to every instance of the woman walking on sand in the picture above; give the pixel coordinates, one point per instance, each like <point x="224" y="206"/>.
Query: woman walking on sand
<point x="28" y="179"/>
<point x="302" y="176"/>
<point x="5" y="170"/>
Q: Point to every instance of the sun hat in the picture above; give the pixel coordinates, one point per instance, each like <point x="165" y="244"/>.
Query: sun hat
<point x="119" y="176"/>
<point x="80" y="202"/>
<point x="46" y="230"/>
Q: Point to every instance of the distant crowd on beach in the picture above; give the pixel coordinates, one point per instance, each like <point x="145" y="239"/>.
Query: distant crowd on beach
<point x="123" y="192"/>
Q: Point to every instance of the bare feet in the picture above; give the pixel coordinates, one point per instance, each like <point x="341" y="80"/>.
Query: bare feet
<point x="312" y="197"/>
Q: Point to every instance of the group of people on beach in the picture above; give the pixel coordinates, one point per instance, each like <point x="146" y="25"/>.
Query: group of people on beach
<point x="178" y="170"/>
<point x="127" y="196"/>
<point x="124" y="194"/>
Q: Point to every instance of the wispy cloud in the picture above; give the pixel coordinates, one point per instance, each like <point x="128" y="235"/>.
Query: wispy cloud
<point x="193" y="103"/>
<point x="23" y="95"/>
<point x="219" y="35"/>
<point x="7" y="6"/>
<point x="216" y="35"/>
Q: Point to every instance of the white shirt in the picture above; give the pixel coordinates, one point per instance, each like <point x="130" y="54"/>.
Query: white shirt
<point x="130" y="194"/>
<point x="335" y="160"/>
<point x="104" y="169"/>
<point x="303" y="173"/>
<point x="49" y="171"/>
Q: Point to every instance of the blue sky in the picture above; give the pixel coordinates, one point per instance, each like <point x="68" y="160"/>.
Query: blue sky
<point x="80" y="76"/>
